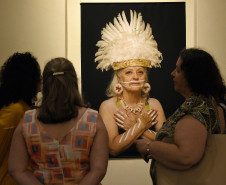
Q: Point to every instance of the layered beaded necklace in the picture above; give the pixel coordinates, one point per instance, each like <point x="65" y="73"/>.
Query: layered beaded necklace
<point x="138" y="108"/>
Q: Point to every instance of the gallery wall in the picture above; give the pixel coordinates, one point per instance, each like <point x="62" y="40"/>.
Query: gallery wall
<point x="31" y="25"/>
<point x="52" y="28"/>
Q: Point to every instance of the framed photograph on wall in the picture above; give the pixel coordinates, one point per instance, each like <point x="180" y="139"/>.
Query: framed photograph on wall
<point x="168" y="23"/>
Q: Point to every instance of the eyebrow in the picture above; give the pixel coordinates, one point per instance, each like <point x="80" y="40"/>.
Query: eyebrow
<point x="130" y="69"/>
<point x="127" y="69"/>
<point x="140" y="68"/>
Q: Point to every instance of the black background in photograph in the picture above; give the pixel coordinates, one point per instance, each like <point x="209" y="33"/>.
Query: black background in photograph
<point x="168" y="24"/>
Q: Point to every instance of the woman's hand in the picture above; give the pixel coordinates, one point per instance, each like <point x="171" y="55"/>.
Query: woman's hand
<point x="148" y="119"/>
<point x="142" y="146"/>
<point x="123" y="120"/>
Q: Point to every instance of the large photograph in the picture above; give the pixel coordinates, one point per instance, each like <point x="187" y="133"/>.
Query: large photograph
<point x="168" y="24"/>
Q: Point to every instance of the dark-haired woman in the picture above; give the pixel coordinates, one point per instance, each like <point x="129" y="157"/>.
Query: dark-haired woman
<point x="181" y="142"/>
<point x="19" y="84"/>
<point x="67" y="143"/>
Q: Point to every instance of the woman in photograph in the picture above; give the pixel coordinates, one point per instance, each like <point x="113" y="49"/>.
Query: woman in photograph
<point x="129" y="48"/>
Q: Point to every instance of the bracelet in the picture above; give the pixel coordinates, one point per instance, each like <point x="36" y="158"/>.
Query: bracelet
<point x="146" y="159"/>
<point x="148" y="150"/>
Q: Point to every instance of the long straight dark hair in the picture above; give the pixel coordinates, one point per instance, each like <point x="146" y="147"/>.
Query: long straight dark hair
<point x="61" y="97"/>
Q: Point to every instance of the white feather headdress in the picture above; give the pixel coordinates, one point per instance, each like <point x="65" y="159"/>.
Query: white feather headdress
<point x="126" y="44"/>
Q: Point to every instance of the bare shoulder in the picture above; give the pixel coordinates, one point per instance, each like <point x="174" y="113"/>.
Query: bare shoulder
<point x="109" y="102"/>
<point x="106" y="111"/>
<point x="108" y="105"/>
<point x="154" y="103"/>
<point x="222" y="118"/>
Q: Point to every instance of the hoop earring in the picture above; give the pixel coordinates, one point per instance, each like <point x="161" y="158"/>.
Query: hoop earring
<point x="146" y="88"/>
<point x="118" y="89"/>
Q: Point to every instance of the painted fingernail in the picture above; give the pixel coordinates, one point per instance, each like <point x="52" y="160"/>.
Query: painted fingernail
<point x="153" y="113"/>
<point x="120" y="121"/>
<point x="120" y="116"/>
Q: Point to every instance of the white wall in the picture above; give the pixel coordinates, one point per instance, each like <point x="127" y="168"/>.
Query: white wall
<point x="211" y="30"/>
<point x="37" y="26"/>
<point x="42" y="27"/>
<point x="127" y="172"/>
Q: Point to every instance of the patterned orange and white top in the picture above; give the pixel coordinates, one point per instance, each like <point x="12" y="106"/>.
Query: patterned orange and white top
<point x="63" y="162"/>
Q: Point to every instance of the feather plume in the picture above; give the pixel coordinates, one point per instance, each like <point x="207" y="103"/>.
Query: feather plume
<point x="125" y="21"/>
<point x="117" y="25"/>
<point x="134" y="20"/>
<point x="111" y="31"/>
<point x="123" y="24"/>
<point x="101" y="44"/>
<point x="122" y="40"/>
<point x="131" y="21"/>
<point x="107" y="34"/>
<point x="138" y="22"/>
<point x="114" y="29"/>
<point x="142" y="27"/>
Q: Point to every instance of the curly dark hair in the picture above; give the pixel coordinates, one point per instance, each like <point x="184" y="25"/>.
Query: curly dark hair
<point x="61" y="96"/>
<point x="202" y="73"/>
<point x="19" y="78"/>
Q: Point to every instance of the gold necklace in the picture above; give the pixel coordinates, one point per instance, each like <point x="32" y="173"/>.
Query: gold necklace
<point x="138" y="107"/>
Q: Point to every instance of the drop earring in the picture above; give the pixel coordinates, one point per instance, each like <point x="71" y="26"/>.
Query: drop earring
<point x="146" y="88"/>
<point x="118" y="89"/>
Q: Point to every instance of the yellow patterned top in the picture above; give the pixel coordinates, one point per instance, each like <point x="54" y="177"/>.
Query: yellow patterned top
<point x="10" y="116"/>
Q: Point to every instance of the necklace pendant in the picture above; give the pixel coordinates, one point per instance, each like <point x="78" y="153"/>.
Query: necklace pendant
<point x="138" y="107"/>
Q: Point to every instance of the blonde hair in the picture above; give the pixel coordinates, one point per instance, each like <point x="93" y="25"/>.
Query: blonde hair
<point x="110" y="89"/>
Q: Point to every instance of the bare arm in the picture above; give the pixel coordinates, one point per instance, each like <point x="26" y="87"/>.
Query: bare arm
<point x="126" y="122"/>
<point x="119" y="142"/>
<point x="222" y="119"/>
<point x="18" y="160"/>
<point x="160" y="119"/>
<point x="98" y="156"/>
<point x="155" y="105"/>
<point x="188" y="148"/>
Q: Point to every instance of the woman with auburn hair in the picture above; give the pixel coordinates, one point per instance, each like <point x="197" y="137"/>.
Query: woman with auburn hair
<point x="66" y="142"/>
